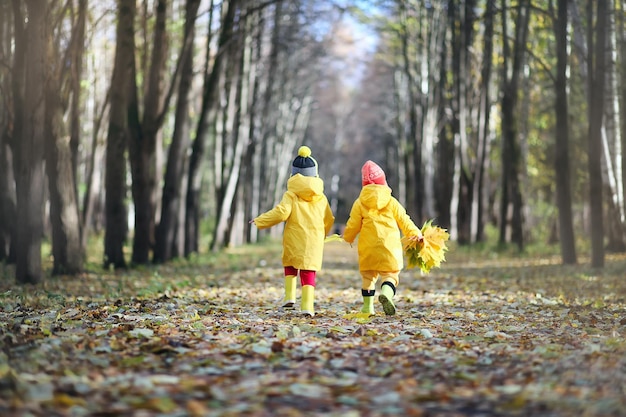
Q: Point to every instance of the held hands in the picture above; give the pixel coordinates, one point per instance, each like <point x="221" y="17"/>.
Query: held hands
<point x="333" y="238"/>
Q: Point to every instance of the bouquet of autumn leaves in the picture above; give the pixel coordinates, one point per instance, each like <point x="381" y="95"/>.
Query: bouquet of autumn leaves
<point x="429" y="251"/>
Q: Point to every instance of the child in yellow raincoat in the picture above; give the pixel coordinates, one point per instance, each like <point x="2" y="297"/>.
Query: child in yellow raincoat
<point x="308" y="219"/>
<point x="377" y="217"/>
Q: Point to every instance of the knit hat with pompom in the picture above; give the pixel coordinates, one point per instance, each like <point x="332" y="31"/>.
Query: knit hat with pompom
<point x="304" y="164"/>
<point x="371" y="173"/>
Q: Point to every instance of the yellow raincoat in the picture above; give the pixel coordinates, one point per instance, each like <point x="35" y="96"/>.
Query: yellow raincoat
<point x="377" y="217"/>
<point x="308" y="219"/>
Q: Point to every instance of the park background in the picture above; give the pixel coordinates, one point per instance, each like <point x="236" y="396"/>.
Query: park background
<point x="139" y="137"/>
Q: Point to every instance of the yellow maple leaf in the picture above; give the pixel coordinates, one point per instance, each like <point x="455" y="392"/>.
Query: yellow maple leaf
<point x="428" y="252"/>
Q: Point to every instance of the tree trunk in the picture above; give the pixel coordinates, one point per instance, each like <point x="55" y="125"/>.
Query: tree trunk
<point x="507" y="114"/>
<point x="61" y="150"/>
<point x="205" y="122"/>
<point x="511" y="197"/>
<point x="252" y="162"/>
<point x="445" y="148"/>
<point x="620" y="33"/>
<point x="612" y="139"/>
<point x="76" y="71"/>
<point x="427" y="87"/>
<point x="596" y="63"/>
<point x="461" y="22"/>
<point x="66" y="248"/>
<point x="268" y="174"/>
<point x="143" y="140"/>
<point x="7" y="201"/>
<point x="412" y="145"/>
<point x="94" y="175"/>
<point x="479" y="191"/>
<point x="115" y="180"/>
<point x="165" y="244"/>
<point x="238" y="224"/>
<point x="7" y="179"/>
<point x="194" y="176"/>
<point x="225" y="149"/>
<point x="239" y="134"/>
<point x="562" y="159"/>
<point x="30" y="178"/>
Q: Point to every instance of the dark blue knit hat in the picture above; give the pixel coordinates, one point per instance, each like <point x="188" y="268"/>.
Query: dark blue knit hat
<point x="304" y="164"/>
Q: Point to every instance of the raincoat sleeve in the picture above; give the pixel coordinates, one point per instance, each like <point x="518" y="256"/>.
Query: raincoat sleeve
<point x="404" y="221"/>
<point x="278" y="214"/>
<point x="353" y="226"/>
<point x="329" y="218"/>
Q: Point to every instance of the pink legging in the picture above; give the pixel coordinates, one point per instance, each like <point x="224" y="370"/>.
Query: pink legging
<point x="306" y="277"/>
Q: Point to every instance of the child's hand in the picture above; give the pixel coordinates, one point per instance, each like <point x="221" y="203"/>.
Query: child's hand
<point x="418" y="237"/>
<point x="350" y="243"/>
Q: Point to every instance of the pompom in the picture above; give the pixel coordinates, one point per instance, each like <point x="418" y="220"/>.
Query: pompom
<point x="304" y="151"/>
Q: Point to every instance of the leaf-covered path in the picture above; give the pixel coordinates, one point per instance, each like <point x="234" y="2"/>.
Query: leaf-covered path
<point x="512" y="337"/>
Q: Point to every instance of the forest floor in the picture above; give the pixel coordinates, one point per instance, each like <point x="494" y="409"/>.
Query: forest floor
<point x="481" y="336"/>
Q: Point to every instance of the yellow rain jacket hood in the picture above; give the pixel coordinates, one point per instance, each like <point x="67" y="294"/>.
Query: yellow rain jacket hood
<point x="377" y="217"/>
<point x="308" y="219"/>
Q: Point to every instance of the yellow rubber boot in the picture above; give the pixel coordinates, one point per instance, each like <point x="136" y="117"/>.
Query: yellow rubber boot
<point x="290" y="292"/>
<point x="386" y="298"/>
<point x="308" y="300"/>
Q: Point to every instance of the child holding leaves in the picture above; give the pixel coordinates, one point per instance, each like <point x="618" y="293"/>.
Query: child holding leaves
<point x="377" y="218"/>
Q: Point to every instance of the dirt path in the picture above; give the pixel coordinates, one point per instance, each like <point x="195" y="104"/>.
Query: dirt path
<point x="475" y="338"/>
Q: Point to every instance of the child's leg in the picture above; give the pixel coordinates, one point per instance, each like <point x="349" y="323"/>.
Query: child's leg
<point x="388" y="291"/>
<point x="290" y="287"/>
<point x="307" y="279"/>
<point x="368" y="289"/>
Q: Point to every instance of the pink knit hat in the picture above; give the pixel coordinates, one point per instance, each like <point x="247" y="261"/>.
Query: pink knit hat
<point x="371" y="173"/>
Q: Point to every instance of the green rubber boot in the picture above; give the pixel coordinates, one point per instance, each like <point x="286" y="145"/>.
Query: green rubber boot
<point x="368" y="305"/>
<point x="387" y="290"/>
